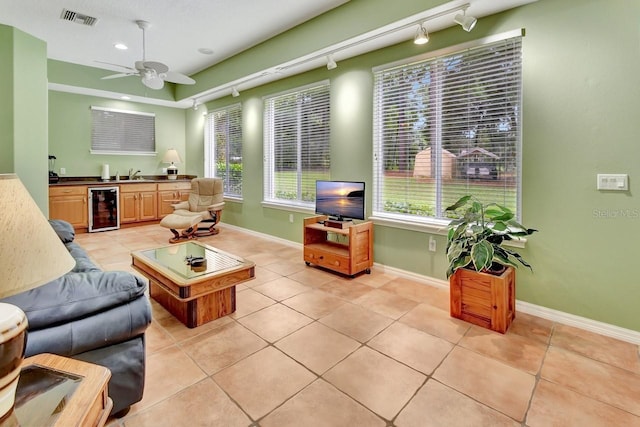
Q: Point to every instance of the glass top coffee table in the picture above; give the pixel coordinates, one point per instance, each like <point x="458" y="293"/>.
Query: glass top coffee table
<point x="193" y="281"/>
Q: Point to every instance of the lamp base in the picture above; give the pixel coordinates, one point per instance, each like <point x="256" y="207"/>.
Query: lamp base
<point x="172" y="172"/>
<point x="8" y="394"/>
<point x="13" y="339"/>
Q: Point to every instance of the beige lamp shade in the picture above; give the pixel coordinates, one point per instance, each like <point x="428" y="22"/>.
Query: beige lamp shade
<point x="171" y="156"/>
<point x="31" y="253"/>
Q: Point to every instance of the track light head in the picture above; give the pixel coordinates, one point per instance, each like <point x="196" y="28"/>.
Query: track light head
<point x="234" y="92"/>
<point x="195" y="104"/>
<point x="467" y="22"/>
<point x="421" y="36"/>
<point x="331" y="64"/>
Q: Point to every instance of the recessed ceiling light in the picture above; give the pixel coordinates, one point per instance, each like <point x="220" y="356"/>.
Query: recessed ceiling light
<point x="205" y="51"/>
<point x="125" y="97"/>
<point x="120" y="46"/>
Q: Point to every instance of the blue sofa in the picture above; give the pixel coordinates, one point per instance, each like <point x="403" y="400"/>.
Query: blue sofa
<point x="91" y="315"/>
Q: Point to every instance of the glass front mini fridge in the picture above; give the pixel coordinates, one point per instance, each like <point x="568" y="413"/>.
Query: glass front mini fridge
<point x="104" y="203"/>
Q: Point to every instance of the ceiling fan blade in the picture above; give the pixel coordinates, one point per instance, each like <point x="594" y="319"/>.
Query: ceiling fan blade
<point x="158" y="66"/>
<point x="117" y="76"/>
<point x="173" y="77"/>
<point x="115" y="65"/>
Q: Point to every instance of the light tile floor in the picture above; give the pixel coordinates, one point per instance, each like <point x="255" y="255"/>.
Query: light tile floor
<point x="306" y="347"/>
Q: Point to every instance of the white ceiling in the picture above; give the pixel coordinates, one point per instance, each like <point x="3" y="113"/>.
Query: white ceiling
<point x="179" y="28"/>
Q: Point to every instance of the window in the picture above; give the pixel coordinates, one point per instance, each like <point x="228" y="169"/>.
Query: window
<point x="448" y="126"/>
<point x="122" y="132"/>
<point x="223" y="148"/>
<point x="296" y="144"/>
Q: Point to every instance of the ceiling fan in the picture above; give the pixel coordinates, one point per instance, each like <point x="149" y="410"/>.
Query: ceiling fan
<point x="153" y="74"/>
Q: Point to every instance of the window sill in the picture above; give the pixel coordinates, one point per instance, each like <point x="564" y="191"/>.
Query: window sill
<point x="288" y="207"/>
<point x="426" y="226"/>
<point x="433" y="226"/>
<point x="234" y="199"/>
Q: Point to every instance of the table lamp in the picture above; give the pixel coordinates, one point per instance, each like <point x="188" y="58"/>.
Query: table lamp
<point x="31" y="254"/>
<point x="171" y="156"/>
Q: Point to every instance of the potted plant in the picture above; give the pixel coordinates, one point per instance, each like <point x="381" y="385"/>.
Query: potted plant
<point x="481" y="274"/>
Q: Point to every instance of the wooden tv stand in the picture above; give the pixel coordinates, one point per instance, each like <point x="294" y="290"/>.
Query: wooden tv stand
<point x="348" y="258"/>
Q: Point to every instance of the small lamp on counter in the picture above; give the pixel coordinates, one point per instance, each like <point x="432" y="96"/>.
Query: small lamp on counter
<point x="171" y="156"/>
<point x="31" y="254"/>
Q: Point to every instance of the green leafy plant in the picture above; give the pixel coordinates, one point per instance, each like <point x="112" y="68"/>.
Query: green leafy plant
<point x="474" y="240"/>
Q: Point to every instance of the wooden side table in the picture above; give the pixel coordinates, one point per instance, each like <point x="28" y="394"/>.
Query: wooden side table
<point x="59" y="391"/>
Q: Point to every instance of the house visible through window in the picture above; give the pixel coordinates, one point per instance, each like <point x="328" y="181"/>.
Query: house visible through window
<point x="447" y="126"/>
<point x="223" y="148"/>
<point x="122" y="132"/>
<point x="296" y="144"/>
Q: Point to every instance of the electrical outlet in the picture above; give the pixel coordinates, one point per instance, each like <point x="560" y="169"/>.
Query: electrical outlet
<point x="432" y="244"/>
<point x="291" y="218"/>
<point x="63" y="171"/>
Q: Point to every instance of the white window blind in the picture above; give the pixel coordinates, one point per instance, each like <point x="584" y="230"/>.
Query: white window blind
<point x="122" y="132"/>
<point x="223" y="148"/>
<point x="445" y="127"/>
<point x="296" y="144"/>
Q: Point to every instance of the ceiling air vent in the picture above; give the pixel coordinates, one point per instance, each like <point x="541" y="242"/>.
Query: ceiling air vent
<point x="78" y="18"/>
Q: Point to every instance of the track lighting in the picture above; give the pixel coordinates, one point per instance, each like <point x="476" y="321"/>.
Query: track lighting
<point x="467" y="22"/>
<point x="422" y="36"/>
<point x="195" y="104"/>
<point x="331" y="64"/>
<point x="234" y="92"/>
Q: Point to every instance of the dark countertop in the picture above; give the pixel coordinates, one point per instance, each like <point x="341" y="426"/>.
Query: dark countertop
<point x="92" y="180"/>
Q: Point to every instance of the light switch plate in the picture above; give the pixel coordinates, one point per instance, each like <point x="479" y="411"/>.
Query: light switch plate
<point x="613" y="181"/>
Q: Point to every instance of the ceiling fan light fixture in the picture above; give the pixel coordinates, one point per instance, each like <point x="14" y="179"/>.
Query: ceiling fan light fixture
<point x="151" y="80"/>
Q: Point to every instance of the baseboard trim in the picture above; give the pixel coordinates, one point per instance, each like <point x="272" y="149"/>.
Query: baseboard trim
<point x="561" y="317"/>
<point x="587" y="324"/>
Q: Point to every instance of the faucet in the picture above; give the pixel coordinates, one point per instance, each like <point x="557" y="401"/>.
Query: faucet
<point x="133" y="175"/>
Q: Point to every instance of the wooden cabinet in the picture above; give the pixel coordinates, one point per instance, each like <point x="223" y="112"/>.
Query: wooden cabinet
<point x="170" y="193"/>
<point x="138" y="202"/>
<point x="70" y="204"/>
<point x="322" y="246"/>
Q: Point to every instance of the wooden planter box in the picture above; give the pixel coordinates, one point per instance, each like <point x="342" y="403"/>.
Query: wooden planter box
<point x="483" y="299"/>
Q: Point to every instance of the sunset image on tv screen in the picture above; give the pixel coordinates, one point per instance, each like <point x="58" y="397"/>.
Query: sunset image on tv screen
<point x="340" y="199"/>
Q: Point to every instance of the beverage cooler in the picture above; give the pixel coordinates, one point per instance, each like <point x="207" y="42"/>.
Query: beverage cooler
<point x="104" y="204"/>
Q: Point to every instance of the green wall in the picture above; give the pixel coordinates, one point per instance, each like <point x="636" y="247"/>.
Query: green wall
<point x="23" y="111"/>
<point x="70" y="136"/>
<point x="580" y="88"/>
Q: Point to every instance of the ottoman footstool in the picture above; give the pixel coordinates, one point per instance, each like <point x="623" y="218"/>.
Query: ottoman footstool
<point x="187" y="223"/>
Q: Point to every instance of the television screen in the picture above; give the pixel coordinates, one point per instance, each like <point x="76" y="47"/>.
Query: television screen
<point x="340" y="199"/>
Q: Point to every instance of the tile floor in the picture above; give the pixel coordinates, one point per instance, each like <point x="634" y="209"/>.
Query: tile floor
<point x="310" y="348"/>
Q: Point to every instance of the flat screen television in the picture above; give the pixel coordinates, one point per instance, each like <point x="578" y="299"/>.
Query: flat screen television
<point x="340" y="200"/>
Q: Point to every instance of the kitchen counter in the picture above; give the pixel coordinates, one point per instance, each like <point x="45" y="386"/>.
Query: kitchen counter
<point x="86" y="201"/>
<point x="99" y="181"/>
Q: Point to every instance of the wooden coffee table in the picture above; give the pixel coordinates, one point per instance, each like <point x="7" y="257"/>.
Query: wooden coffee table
<point x="195" y="294"/>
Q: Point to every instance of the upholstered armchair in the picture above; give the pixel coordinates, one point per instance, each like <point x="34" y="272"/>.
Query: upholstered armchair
<point x="199" y="215"/>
